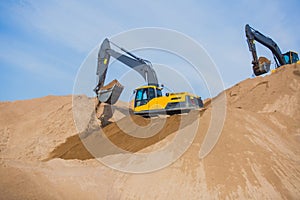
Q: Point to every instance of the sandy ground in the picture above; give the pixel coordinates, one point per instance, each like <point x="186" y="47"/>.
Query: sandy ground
<point x="42" y="155"/>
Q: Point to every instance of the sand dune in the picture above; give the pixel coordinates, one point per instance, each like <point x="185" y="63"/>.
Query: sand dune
<point x="43" y="156"/>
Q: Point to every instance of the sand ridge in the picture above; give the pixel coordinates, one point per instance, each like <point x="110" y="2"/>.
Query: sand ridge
<point x="256" y="157"/>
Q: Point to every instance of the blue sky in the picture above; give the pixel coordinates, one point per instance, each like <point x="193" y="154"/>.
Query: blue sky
<point x="43" y="43"/>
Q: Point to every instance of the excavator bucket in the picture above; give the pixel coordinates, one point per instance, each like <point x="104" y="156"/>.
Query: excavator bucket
<point x="262" y="67"/>
<point x="111" y="92"/>
<point x="264" y="64"/>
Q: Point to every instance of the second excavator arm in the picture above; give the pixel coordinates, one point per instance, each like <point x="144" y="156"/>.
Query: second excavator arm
<point x="143" y="67"/>
<point x="254" y="35"/>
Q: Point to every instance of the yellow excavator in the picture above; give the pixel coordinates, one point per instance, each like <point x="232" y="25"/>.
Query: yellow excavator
<point x="149" y="99"/>
<point x="261" y="65"/>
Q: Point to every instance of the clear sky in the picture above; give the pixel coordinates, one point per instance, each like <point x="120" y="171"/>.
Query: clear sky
<point x="43" y="43"/>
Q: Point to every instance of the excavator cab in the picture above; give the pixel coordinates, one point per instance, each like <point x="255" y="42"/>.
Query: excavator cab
<point x="145" y="94"/>
<point x="291" y="57"/>
<point x="149" y="101"/>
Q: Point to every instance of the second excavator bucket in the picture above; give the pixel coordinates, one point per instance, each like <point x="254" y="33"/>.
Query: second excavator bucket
<point x="263" y="66"/>
<point x="111" y="92"/>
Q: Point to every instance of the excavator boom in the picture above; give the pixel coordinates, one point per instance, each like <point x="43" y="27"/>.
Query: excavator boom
<point x="112" y="93"/>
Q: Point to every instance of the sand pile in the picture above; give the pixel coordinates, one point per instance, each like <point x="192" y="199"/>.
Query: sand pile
<point x="73" y="148"/>
<point x="30" y="128"/>
<point x="257" y="155"/>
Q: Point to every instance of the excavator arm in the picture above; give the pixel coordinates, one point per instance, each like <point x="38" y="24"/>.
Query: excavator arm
<point x="254" y="35"/>
<point x="111" y="92"/>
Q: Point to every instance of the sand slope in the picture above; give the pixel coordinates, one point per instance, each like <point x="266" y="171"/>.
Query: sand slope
<point x="257" y="155"/>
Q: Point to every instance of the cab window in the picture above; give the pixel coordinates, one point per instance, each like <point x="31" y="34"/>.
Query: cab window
<point x="295" y="57"/>
<point x="151" y="93"/>
<point x="158" y="92"/>
<point x="286" y="59"/>
<point x="141" y="97"/>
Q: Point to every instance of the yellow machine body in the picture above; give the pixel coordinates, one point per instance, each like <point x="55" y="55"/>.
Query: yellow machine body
<point x="149" y="100"/>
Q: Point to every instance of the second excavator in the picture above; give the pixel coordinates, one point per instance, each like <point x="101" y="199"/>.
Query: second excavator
<point x="261" y="65"/>
<point x="149" y="99"/>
